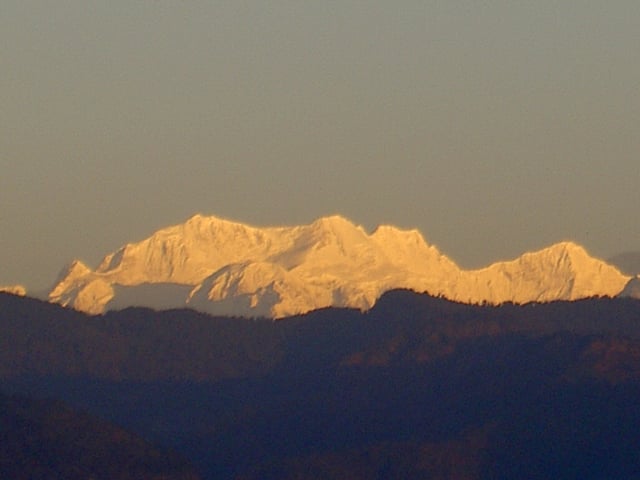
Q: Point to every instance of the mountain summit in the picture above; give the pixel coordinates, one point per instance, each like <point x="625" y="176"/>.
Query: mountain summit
<point x="224" y="267"/>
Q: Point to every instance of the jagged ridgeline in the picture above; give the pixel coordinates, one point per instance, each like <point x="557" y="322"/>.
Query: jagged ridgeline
<point x="227" y="268"/>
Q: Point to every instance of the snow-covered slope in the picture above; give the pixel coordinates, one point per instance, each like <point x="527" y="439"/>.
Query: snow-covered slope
<point x="563" y="271"/>
<point x="225" y="267"/>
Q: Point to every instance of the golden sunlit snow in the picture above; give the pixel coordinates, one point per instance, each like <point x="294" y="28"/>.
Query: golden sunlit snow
<point x="238" y="269"/>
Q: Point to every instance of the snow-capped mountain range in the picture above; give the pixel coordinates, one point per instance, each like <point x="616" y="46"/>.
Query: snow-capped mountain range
<point x="224" y="267"/>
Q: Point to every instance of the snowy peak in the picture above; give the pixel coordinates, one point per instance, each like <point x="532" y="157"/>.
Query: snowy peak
<point x="386" y="231"/>
<point x="563" y="271"/>
<point x="236" y="269"/>
<point x="14" y="290"/>
<point x="75" y="272"/>
<point x="184" y="253"/>
<point x="404" y="242"/>
<point x="388" y="237"/>
<point x="333" y="222"/>
<point x="75" y="269"/>
<point x="565" y="253"/>
<point x="333" y="230"/>
<point x="337" y="226"/>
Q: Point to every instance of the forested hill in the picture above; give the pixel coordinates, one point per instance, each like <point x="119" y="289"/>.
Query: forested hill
<point x="38" y="338"/>
<point x="44" y="439"/>
<point x="416" y="388"/>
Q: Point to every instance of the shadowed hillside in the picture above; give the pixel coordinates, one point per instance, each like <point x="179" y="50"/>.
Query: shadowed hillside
<point x="418" y="387"/>
<point x="38" y="338"/>
<point x="43" y="439"/>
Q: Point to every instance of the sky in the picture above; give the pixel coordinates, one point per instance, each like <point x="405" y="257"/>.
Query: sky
<point x="494" y="127"/>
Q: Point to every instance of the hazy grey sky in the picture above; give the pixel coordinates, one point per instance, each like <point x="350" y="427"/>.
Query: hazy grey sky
<point x="494" y="127"/>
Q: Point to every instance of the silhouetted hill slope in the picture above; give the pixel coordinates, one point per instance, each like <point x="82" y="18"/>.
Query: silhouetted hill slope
<point x="418" y="387"/>
<point x="38" y="338"/>
<point x="45" y="440"/>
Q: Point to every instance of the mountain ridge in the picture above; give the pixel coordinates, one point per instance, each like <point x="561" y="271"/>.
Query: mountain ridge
<point x="238" y="269"/>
